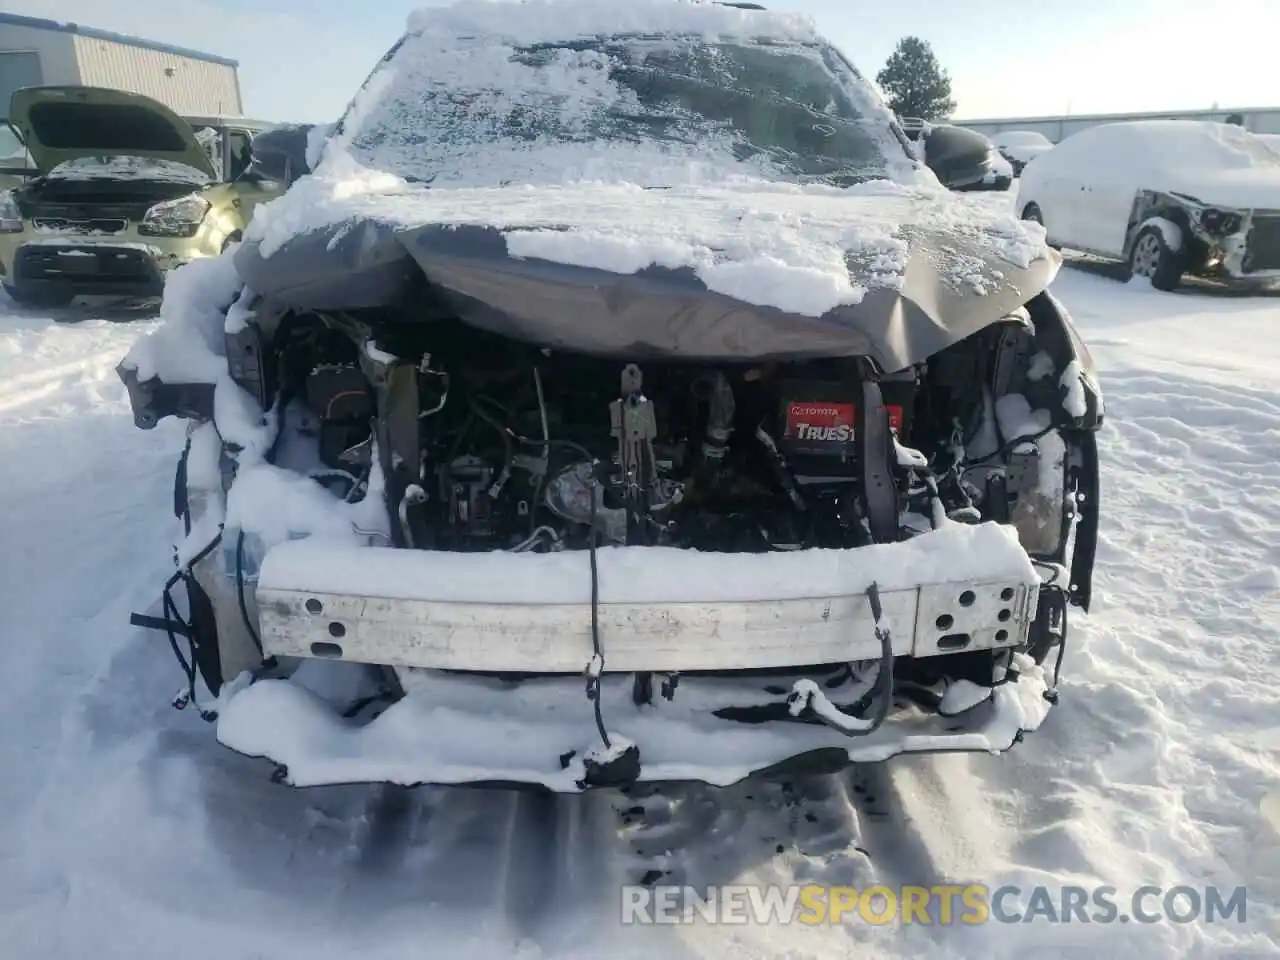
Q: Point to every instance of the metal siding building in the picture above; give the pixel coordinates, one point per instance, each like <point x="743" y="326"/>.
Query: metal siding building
<point x="1257" y="119"/>
<point x="34" y="52"/>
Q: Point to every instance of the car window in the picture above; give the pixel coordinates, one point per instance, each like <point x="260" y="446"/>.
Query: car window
<point x="13" y="153"/>
<point x="798" y="109"/>
<point x="241" y="153"/>
<point x="210" y="139"/>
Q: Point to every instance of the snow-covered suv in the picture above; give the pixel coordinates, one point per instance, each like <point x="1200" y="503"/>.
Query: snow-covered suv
<point x="620" y="399"/>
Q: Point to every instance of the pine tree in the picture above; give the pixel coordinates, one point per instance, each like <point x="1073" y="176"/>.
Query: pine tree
<point x="914" y="82"/>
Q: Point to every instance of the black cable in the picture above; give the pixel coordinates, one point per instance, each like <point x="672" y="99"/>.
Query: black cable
<point x="172" y="616"/>
<point x="884" y="681"/>
<point x="593" y="686"/>
<point x="244" y="607"/>
<point x="282" y="405"/>
<point x="593" y="680"/>
<point x="1062" y="648"/>
<point x="504" y="432"/>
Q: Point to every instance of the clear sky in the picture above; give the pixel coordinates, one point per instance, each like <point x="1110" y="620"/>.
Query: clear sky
<point x="302" y="59"/>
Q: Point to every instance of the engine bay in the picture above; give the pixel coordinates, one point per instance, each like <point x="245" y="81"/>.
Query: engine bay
<point x="492" y="444"/>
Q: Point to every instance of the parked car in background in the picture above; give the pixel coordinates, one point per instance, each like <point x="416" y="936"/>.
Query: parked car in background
<point x="124" y="191"/>
<point x="1020" y="147"/>
<point x="1168" y="197"/>
<point x="962" y="159"/>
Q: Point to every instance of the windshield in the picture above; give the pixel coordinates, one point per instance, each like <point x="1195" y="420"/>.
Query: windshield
<point x="787" y="110"/>
<point x="1256" y="151"/>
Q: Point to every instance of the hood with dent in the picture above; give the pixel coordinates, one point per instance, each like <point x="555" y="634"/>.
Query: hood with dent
<point x="749" y="272"/>
<point x="62" y="124"/>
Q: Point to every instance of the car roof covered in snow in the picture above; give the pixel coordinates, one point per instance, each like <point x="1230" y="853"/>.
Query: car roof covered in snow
<point x="550" y="21"/>
<point x="1021" y="138"/>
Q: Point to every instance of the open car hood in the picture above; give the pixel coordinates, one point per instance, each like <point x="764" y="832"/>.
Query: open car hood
<point x="62" y="124"/>
<point x="952" y="278"/>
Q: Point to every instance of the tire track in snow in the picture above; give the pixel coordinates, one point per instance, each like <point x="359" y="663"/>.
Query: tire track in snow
<point x="25" y="389"/>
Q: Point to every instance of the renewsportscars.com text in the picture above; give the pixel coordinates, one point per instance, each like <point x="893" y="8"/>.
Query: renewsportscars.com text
<point x="941" y="904"/>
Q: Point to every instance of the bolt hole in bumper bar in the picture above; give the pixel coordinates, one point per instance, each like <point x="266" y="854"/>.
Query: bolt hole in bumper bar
<point x="452" y="623"/>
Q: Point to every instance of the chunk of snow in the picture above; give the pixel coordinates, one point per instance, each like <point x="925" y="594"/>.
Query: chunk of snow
<point x="1017" y="419"/>
<point x="618" y="745"/>
<point x="241" y="312"/>
<point x="377" y="354"/>
<point x="963" y="695"/>
<point x="278" y="505"/>
<point x="1072" y="381"/>
<point x="909" y="456"/>
<point x="1041" y="366"/>
<point x="987" y="551"/>
<point x="805" y="694"/>
<point x="189" y="346"/>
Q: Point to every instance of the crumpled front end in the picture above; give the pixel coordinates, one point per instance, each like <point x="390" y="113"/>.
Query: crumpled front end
<point x="1231" y="244"/>
<point x="706" y="666"/>
<point x="524" y="668"/>
<point x="565" y="567"/>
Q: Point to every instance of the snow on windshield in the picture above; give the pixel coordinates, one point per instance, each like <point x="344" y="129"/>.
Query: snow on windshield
<point x="484" y="110"/>
<point x="127" y="168"/>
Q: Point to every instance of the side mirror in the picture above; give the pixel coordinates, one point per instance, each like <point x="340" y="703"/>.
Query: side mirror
<point x="959" y="157"/>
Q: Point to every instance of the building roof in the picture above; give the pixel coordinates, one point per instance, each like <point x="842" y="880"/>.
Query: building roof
<point x="1135" y="115"/>
<point x="38" y="23"/>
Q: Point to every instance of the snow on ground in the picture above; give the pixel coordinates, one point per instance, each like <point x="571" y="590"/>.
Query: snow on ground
<point x="129" y="833"/>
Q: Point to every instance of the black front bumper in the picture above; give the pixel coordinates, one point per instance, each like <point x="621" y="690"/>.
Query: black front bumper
<point x="88" y="269"/>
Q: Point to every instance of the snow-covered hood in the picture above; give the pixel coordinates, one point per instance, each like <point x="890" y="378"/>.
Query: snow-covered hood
<point x="61" y="125"/>
<point x="749" y="270"/>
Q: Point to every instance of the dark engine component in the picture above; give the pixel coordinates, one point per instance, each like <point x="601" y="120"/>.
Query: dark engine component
<point x="340" y="397"/>
<point x="467" y="493"/>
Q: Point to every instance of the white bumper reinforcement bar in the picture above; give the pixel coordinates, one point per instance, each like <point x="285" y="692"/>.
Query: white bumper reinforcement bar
<point x="956" y="589"/>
